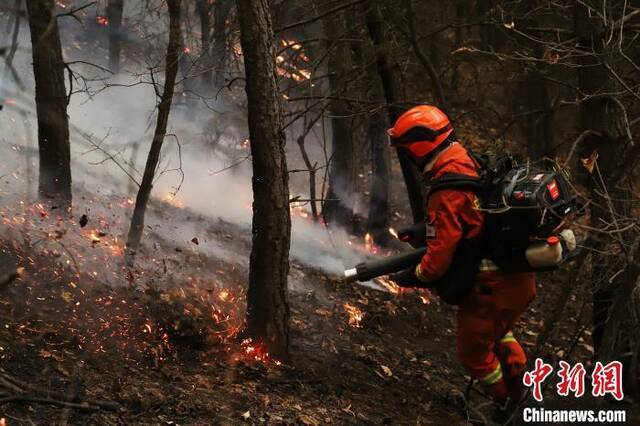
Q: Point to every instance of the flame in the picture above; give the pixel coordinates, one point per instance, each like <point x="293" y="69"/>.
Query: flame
<point x="171" y="198"/>
<point x="291" y="43"/>
<point x="94" y="237"/>
<point x="287" y="63"/>
<point x="368" y="242"/>
<point x="305" y="73"/>
<point x="299" y="210"/>
<point x="385" y="282"/>
<point x="355" y="315"/>
<point x="251" y="350"/>
<point x="393" y="232"/>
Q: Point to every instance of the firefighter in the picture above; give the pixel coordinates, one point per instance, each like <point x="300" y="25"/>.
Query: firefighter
<point x="486" y="345"/>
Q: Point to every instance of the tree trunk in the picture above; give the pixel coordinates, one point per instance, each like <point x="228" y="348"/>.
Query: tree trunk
<point x="267" y="303"/>
<point x="394" y="93"/>
<point x="51" y="103"/>
<point x="338" y="207"/>
<point x="537" y="119"/>
<point x="596" y="114"/>
<point x="436" y="84"/>
<point x="164" y="108"/>
<point x="186" y="66"/>
<point x="487" y="30"/>
<point x="379" y="208"/>
<point x="220" y="14"/>
<point x="311" y="167"/>
<point x="204" y="11"/>
<point x="458" y="40"/>
<point x="115" y="10"/>
<point x="533" y="103"/>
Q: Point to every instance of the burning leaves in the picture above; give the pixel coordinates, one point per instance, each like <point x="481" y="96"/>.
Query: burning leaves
<point x="172" y="199"/>
<point x="77" y="288"/>
<point x="355" y="315"/>
<point x="389" y="285"/>
<point x="251" y="350"/>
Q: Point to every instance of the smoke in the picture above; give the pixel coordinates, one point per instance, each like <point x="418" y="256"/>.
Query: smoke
<point x="205" y="168"/>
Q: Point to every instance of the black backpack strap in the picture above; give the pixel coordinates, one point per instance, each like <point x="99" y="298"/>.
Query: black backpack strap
<point x="456" y="181"/>
<point x="482" y="161"/>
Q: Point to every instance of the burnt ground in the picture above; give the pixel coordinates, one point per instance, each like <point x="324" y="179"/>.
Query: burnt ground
<point x="164" y="347"/>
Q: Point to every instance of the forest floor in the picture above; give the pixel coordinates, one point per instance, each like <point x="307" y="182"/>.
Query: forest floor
<point x="165" y="348"/>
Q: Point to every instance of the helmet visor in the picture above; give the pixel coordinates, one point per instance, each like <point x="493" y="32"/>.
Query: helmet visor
<point x="419" y="134"/>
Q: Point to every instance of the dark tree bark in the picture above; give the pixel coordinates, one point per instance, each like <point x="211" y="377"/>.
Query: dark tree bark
<point x="186" y="67"/>
<point x="537" y="115"/>
<point x="379" y="208"/>
<point x="221" y="11"/>
<point x="311" y="167"/>
<point x="204" y="11"/>
<point x="458" y="41"/>
<point x="533" y="102"/>
<point x="423" y="57"/>
<point x="487" y="30"/>
<point x="51" y="103"/>
<point x="8" y="62"/>
<point x="596" y="115"/>
<point x="338" y="207"/>
<point x="267" y="302"/>
<point x="115" y="9"/>
<point x="394" y="94"/>
<point x="164" y="108"/>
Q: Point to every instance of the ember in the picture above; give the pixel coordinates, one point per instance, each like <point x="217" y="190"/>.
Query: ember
<point x="251" y="350"/>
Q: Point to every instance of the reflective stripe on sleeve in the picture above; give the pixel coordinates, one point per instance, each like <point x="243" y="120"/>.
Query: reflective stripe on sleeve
<point x="494" y="377"/>
<point x="508" y="338"/>
<point x="420" y="275"/>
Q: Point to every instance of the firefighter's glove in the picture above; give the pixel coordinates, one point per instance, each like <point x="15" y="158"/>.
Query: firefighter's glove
<point x="407" y="278"/>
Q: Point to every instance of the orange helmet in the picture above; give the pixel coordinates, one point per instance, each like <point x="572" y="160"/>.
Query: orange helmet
<point x="420" y="131"/>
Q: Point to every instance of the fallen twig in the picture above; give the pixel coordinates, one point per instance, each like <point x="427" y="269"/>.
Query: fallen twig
<point x="40" y="400"/>
<point x="24" y="392"/>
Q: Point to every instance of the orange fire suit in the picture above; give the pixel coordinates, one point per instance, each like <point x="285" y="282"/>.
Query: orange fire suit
<point x="486" y="346"/>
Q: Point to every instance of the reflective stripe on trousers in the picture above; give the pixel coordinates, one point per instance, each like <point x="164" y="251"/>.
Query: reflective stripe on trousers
<point x="487" y="265"/>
